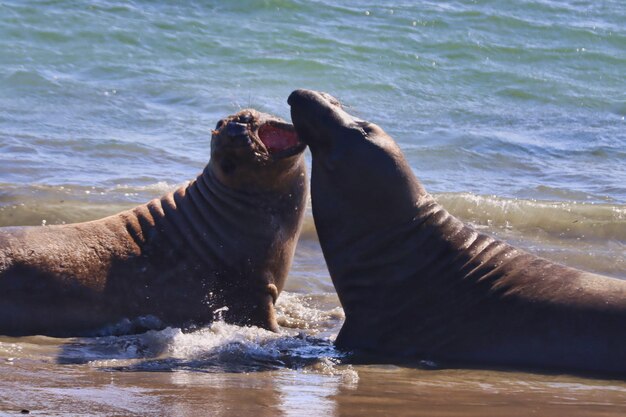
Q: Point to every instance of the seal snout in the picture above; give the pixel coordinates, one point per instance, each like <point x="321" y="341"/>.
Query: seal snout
<point x="299" y="96"/>
<point x="319" y="118"/>
<point x="235" y="134"/>
<point x="303" y="97"/>
<point x="236" y="129"/>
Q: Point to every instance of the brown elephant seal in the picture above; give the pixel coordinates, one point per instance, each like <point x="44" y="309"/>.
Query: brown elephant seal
<point x="224" y="241"/>
<point x="416" y="283"/>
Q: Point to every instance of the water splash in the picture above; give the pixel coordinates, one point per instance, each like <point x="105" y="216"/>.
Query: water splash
<point x="222" y="347"/>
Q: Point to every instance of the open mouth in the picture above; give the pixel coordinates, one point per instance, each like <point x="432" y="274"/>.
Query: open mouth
<point x="279" y="139"/>
<point x="268" y="137"/>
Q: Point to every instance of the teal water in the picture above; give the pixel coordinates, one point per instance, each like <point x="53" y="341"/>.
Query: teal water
<point x="519" y="99"/>
<point x="511" y="112"/>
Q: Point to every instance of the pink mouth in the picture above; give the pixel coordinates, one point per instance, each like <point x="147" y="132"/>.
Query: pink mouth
<point x="277" y="139"/>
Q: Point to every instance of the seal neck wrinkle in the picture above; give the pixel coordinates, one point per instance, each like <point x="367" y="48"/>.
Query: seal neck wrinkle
<point x="187" y="216"/>
<point x="444" y="244"/>
<point x="206" y="227"/>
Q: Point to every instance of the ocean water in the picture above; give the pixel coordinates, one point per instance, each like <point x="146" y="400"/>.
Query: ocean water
<point x="511" y="113"/>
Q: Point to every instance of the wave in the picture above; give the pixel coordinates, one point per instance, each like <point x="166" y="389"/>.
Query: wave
<point x="31" y="204"/>
<point x="29" y="78"/>
<point x="34" y="204"/>
<point x="564" y="219"/>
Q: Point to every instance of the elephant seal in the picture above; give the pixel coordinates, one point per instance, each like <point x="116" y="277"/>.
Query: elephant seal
<point x="418" y="284"/>
<point x="224" y="241"/>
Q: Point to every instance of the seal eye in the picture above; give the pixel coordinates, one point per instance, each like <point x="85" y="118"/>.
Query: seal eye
<point x="219" y="124"/>
<point x="228" y="166"/>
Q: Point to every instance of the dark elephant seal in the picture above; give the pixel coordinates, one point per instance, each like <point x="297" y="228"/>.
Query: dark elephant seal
<point x="226" y="239"/>
<point x="417" y="283"/>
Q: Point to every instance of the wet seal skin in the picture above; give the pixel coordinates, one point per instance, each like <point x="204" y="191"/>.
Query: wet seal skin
<point x="224" y="241"/>
<point x="418" y="284"/>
